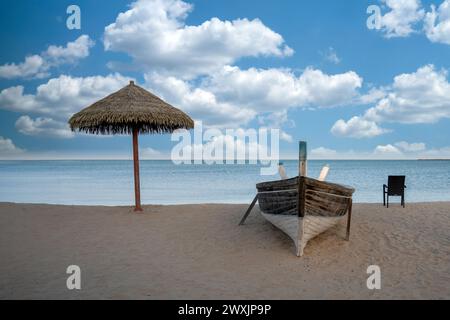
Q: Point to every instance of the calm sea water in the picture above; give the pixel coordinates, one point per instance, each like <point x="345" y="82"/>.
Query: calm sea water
<point x="162" y="182"/>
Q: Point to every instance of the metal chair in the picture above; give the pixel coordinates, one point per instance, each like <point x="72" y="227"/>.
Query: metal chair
<point x="395" y="187"/>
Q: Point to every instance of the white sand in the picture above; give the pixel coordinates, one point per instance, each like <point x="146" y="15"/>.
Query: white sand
<point x="199" y="252"/>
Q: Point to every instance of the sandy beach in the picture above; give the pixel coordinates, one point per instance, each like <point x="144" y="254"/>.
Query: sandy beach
<point x="199" y="252"/>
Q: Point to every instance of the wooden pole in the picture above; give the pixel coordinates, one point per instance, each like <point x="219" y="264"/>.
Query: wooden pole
<point x="349" y="219"/>
<point x="302" y="171"/>
<point x="137" y="188"/>
<point x="303" y="165"/>
<point x="248" y="211"/>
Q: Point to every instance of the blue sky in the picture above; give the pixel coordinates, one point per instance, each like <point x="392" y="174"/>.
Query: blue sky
<point x="310" y="68"/>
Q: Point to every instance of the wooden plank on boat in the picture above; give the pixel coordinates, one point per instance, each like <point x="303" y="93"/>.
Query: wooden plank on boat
<point x="287" y="224"/>
<point x="349" y="220"/>
<point x="302" y="158"/>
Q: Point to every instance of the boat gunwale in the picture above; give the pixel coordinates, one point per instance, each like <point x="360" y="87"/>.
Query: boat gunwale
<point x="277" y="185"/>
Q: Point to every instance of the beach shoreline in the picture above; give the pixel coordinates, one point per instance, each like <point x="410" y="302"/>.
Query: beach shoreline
<point x="200" y="252"/>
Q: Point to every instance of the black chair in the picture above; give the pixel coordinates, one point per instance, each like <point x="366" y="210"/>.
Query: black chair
<point x="396" y="187"/>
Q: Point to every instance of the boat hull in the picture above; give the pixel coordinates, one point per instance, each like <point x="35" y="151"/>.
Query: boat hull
<point x="303" y="208"/>
<point x="301" y="230"/>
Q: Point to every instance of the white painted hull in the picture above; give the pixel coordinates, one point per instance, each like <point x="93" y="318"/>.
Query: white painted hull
<point x="301" y="230"/>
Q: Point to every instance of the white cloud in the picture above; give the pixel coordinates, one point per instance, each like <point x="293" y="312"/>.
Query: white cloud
<point x="61" y="97"/>
<point x="73" y="51"/>
<point x="419" y="97"/>
<point x="276" y="120"/>
<point x="154" y="33"/>
<point x="33" y="67"/>
<point x="410" y="147"/>
<point x="357" y="127"/>
<point x="199" y="103"/>
<point x="57" y="100"/>
<point x="43" y="127"/>
<point x="38" y="66"/>
<point x="331" y="56"/>
<point x="402" y="17"/>
<point x="284" y="136"/>
<point x="7" y="147"/>
<point x="398" y="150"/>
<point x="388" y="149"/>
<point x="276" y="89"/>
<point x="372" y="96"/>
<point x="405" y="15"/>
<point x="233" y="97"/>
<point x="437" y="23"/>
<point x="381" y="152"/>
<point x="190" y="66"/>
<point x="435" y="153"/>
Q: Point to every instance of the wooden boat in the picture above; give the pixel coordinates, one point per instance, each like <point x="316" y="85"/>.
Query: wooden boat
<point x="304" y="207"/>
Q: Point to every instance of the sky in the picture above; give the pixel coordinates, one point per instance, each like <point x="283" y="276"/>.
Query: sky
<point x="355" y="79"/>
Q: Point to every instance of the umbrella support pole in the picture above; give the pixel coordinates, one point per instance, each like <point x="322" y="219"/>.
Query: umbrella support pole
<point x="137" y="187"/>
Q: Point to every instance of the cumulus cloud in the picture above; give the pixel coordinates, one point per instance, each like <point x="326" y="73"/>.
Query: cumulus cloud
<point x="233" y="97"/>
<point x="437" y="23"/>
<point x="198" y="102"/>
<point x="43" y="127"/>
<point x="154" y="33"/>
<point x="33" y="67"/>
<point x="270" y="89"/>
<point x="357" y="127"/>
<point x="7" y="147"/>
<point x="61" y="97"/>
<point x="276" y="120"/>
<point x="38" y="66"/>
<point x="410" y="147"/>
<point x="284" y="136"/>
<point x="398" y="150"/>
<point x="402" y="17"/>
<point x="388" y="149"/>
<point x="419" y="97"/>
<point x="57" y="100"/>
<point x="73" y="51"/>
<point x="435" y="153"/>
<point x="372" y="96"/>
<point x="190" y="66"/>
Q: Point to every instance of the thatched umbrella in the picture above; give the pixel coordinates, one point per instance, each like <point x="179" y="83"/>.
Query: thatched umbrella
<point x="131" y="110"/>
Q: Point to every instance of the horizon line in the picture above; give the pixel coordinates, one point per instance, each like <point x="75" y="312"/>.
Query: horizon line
<point x="224" y="160"/>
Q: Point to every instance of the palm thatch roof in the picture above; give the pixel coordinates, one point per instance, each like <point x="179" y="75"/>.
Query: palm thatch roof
<point x="132" y="107"/>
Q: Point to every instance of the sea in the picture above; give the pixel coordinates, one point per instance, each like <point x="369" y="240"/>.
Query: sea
<point x="100" y="182"/>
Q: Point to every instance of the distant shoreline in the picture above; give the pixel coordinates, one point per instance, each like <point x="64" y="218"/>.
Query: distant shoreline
<point x="282" y="159"/>
<point x="394" y="201"/>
